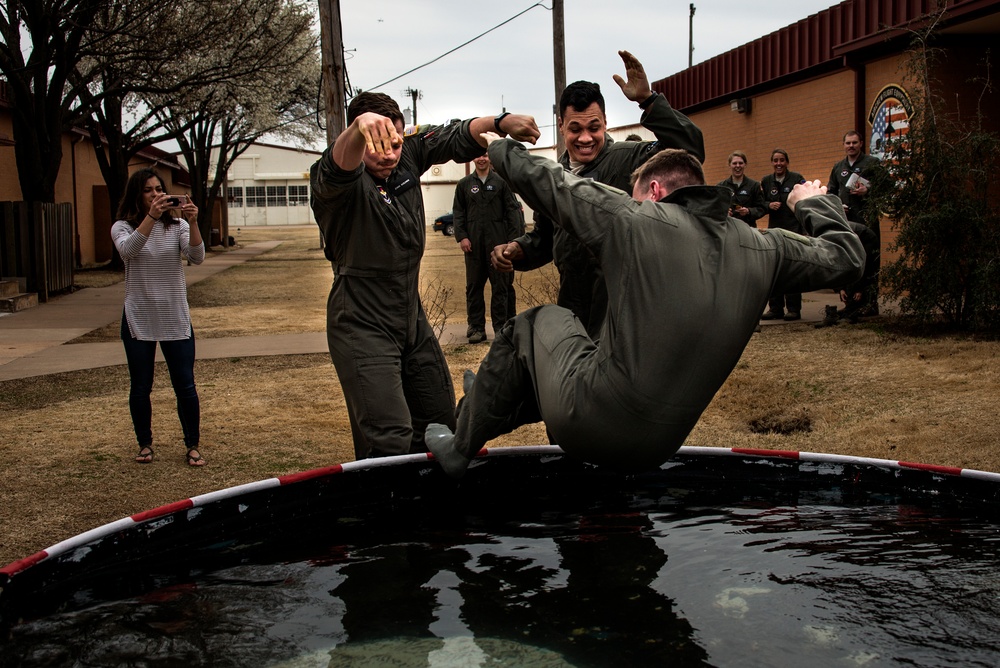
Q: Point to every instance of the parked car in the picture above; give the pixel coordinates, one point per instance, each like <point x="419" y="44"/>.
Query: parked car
<point x="445" y="224"/>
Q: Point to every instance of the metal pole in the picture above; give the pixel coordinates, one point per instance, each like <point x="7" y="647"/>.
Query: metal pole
<point x="691" y="37"/>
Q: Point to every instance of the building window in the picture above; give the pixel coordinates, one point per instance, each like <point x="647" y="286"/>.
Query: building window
<point x="276" y="196"/>
<point x="235" y="197"/>
<point x="298" y="195"/>
<point x="255" y="196"/>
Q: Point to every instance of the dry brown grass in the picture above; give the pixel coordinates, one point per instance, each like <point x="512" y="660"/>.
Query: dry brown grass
<point x="862" y="390"/>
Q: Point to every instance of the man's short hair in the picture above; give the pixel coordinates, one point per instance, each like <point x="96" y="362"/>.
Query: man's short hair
<point x="851" y="132"/>
<point x="376" y="103"/>
<point x="633" y="137"/>
<point x="580" y="95"/>
<point x="673" y="167"/>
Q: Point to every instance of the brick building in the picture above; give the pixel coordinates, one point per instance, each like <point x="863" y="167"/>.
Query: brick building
<point x="802" y="87"/>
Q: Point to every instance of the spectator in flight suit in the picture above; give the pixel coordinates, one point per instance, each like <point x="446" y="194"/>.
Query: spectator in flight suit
<point x="486" y="215"/>
<point x="748" y="202"/>
<point x="777" y="186"/>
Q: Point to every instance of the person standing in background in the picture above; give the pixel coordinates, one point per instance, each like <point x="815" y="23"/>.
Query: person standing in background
<point x="776" y="187"/>
<point x="748" y="202"/>
<point x="154" y="245"/>
<point x="486" y="215"/>
<point x="853" y="179"/>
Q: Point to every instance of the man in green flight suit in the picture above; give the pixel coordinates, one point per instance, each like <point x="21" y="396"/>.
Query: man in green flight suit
<point x="367" y="201"/>
<point x="853" y="179"/>
<point x="486" y="214"/>
<point x="592" y="154"/>
<point x="686" y="285"/>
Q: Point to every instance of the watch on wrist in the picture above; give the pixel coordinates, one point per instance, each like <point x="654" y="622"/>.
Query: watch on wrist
<point x="648" y="101"/>
<point x="496" y="122"/>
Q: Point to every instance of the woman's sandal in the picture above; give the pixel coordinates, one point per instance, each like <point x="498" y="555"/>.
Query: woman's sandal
<point x="195" y="459"/>
<point x="145" y="455"/>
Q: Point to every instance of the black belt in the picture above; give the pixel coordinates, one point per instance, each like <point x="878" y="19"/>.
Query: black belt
<point x="343" y="270"/>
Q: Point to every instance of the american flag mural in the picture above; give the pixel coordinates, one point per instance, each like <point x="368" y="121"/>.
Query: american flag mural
<point x="890" y="125"/>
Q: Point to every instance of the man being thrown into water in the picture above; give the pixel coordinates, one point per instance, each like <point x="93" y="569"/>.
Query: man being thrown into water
<point x="686" y="287"/>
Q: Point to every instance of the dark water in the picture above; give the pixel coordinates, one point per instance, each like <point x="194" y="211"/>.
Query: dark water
<point x="650" y="577"/>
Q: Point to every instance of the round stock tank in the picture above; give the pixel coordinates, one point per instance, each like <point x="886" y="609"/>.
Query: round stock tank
<point x="719" y="558"/>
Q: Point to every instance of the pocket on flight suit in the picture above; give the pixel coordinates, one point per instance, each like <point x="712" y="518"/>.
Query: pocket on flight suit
<point x="427" y="384"/>
<point x="384" y="410"/>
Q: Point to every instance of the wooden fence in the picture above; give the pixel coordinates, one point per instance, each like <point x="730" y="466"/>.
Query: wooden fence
<point x="36" y="243"/>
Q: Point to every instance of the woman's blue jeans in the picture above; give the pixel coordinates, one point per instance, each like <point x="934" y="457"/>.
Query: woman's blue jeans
<point x="141" y="357"/>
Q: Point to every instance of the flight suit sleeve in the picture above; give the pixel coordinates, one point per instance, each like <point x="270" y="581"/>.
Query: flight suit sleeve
<point x="513" y="218"/>
<point x="328" y="186"/>
<point x="757" y="205"/>
<point x="831" y="256"/>
<point x="878" y="179"/>
<point x="833" y="185"/>
<point x="672" y="129"/>
<point x="536" y="244"/>
<point x="581" y="206"/>
<point x="437" y="144"/>
<point x="458" y="210"/>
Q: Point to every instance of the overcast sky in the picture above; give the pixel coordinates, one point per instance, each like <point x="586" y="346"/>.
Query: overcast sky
<point x="511" y="67"/>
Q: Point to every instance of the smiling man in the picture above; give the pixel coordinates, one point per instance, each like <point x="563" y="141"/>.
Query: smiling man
<point x="852" y="180"/>
<point x="592" y="154"/>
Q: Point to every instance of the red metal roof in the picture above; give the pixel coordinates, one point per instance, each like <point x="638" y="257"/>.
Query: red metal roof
<point x="822" y="42"/>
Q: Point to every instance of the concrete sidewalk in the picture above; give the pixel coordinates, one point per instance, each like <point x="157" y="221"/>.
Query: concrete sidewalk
<point x="34" y="342"/>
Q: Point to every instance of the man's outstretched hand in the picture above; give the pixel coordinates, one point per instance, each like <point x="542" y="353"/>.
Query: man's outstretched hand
<point x="803" y="191"/>
<point x="637" y="87"/>
<point x="490" y="137"/>
<point x="520" y="127"/>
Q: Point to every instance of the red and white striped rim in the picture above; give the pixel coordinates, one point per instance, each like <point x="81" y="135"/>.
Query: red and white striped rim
<point x="19" y="566"/>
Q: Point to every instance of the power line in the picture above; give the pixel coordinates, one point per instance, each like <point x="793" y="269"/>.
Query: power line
<point x="464" y="44"/>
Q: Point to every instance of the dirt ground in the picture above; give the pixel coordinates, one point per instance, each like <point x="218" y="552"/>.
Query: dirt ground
<point x="874" y="389"/>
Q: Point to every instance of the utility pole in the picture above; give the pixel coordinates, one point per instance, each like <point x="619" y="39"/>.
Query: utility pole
<point x="332" y="48"/>
<point x="558" y="64"/>
<point x="691" y="37"/>
<point x="414" y="95"/>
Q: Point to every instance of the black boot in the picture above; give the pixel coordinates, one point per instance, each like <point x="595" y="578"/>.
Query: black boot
<point x="830" y="317"/>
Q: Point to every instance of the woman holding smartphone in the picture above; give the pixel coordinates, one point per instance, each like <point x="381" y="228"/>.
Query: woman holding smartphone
<point x="153" y="245"/>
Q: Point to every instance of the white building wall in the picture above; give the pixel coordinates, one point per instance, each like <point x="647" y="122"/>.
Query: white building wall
<point x="283" y="168"/>
<point x="269" y="185"/>
<point x="439" y="185"/>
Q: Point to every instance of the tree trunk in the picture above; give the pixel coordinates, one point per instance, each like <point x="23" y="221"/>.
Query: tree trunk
<point x="38" y="151"/>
